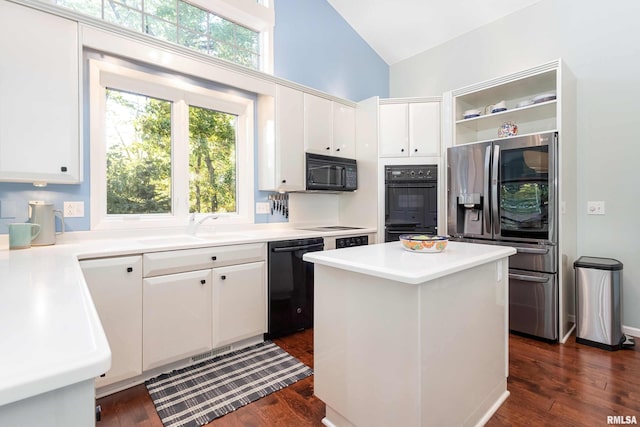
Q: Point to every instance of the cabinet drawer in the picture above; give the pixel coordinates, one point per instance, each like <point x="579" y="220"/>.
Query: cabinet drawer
<point x="168" y="262"/>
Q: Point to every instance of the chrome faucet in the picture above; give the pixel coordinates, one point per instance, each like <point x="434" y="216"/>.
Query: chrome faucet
<point x="192" y="227"/>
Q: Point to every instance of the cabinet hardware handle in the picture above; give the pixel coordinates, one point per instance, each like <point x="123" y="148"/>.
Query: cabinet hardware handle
<point x="103" y="375"/>
<point x="284" y="181"/>
<point x="415" y="150"/>
<point x="202" y="282"/>
<point x="337" y="149"/>
<point x="129" y="269"/>
<point x="223" y="277"/>
<point x="213" y="258"/>
<point x="402" y="150"/>
<point x="63" y="168"/>
<point x="328" y="148"/>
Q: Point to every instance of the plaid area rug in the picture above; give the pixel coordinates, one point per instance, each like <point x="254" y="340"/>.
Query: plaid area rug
<point x="198" y="394"/>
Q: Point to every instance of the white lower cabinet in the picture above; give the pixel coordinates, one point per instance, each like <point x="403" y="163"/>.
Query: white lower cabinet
<point x="115" y="285"/>
<point x="176" y="317"/>
<point x="239" y="302"/>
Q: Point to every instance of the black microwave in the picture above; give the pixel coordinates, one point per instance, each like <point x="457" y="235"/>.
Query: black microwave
<point x="331" y="173"/>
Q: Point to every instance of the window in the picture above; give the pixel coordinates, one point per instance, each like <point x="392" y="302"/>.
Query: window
<point x="162" y="148"/>
<point x="180" y="22"/>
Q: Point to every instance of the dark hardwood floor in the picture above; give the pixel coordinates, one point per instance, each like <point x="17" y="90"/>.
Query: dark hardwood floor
<point x="550" y="384"/>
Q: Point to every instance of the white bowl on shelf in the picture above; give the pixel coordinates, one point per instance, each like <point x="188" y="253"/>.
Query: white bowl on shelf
<point x="469" y="114"/>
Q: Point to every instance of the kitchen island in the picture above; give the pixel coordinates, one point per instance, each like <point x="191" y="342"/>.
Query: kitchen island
<point x="411" y="339"/>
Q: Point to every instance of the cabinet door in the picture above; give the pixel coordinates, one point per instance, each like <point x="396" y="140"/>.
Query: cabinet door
<point x="289" y="142"/>
<point x="115" y="285"/>
<point x="344" y="131"/>
<point x="39" y="102"/>
<point x="394" y="130"/>
<point x="318" y="127"/>
<point x="424" y="129"/>
<point x="239" y="302"/>
<point x="176" y="317"/>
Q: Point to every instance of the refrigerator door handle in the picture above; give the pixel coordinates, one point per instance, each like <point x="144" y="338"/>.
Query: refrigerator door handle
<point x="526" y="278"/>
<point x="494" y="190"/>
<point x="485" y="203"/>
<point x="532" y="251"/>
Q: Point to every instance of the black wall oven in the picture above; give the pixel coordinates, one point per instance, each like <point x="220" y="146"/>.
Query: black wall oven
<point x="411" y="200"/>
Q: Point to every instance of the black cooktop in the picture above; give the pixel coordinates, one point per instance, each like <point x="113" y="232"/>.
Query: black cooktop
<point x="332" y="228"/>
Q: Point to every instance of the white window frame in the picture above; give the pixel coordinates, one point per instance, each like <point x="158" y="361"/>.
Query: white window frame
<point x="248" y="13"/>
<point x="182" y="94"/>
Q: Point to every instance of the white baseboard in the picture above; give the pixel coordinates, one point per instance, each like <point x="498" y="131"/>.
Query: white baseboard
<point x="628" y="330"/>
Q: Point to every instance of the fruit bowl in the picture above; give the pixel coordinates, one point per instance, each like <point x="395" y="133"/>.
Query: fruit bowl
<point x="423" y="243"/>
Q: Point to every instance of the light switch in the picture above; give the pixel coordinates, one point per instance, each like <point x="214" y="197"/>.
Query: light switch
<point x="262" y="208"/>
<point x="595" y="207"/>
<point x="73" y="209"/>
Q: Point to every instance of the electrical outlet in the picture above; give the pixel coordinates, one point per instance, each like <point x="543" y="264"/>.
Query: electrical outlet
<point x="595" y="208"/>
<point x="73" y="209"/>
<point x="263" y="208"/>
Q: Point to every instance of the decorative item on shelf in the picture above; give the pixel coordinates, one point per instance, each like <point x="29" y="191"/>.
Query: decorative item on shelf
<point x="544" y="97"/>
<point x="524" y="103"/>
<point x="497" y="108"/>
<point x="507" y="129"/>
<point x="469" y="114"/>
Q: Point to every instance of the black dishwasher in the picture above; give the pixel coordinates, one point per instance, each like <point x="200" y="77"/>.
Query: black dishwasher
<point x="291" y="286"/>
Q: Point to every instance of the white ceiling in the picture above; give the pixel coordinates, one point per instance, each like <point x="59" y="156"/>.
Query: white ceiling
<point x="399" y="29"/>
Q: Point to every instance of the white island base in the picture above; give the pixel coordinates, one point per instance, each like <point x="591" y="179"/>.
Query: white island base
<point x="406" y="339"/>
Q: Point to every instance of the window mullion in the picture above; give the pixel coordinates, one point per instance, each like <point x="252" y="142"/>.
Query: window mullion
<point x="180" y="160"/>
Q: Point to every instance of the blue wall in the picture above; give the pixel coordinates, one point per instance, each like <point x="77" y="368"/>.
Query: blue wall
<point x="313" y="46"/>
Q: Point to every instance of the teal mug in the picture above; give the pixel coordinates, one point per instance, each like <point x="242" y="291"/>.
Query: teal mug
<point x="21" y="235"/>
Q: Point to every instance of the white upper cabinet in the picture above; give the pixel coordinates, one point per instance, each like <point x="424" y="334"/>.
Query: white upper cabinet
<point x="40" y="97"/>
<point x="394" y="130"/>
<point x="409" y="128"/>
<point x="329" y="127"/>
<point x="344" y="131"/>
<point x="318" y="124"/>
<point x="424" y="129"/>
<point x="289" y="147"/>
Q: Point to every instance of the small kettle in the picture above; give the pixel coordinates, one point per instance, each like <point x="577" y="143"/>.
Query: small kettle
<point x="44" y="214"/>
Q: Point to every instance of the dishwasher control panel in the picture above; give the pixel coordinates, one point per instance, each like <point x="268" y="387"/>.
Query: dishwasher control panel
<point x="347" y="242"/>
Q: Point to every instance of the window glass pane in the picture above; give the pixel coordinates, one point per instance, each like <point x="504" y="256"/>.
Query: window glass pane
<point x="123" y="16"/>
<point x="220" y="29"/>
<point x="246" y="38"/>
<point x="88" y="7"/>
<point x="161" y="29"/>
<point x="192" y="17"/>
<point x="247" y="59"/>
<point x="165" y="9"/>
<point x="212" y="161"/>
<point x="133" y="4"/>
<point x="193" y="40"/>
<point x="138" y="145"/>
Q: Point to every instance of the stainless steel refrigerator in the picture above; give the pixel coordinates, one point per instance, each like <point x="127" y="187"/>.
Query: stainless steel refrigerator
<point x="504" y="192"/>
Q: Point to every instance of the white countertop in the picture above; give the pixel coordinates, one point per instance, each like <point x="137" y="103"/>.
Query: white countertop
<point x="50" y="332"/>
<point x="391" y="261"/>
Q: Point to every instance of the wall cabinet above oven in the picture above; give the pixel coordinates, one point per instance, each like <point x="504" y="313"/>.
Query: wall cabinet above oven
<point x="40" y="97"/>
<point x="409" y="127"/>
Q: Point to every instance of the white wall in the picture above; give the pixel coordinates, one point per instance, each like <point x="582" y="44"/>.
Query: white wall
<point x="600" y="44"/>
